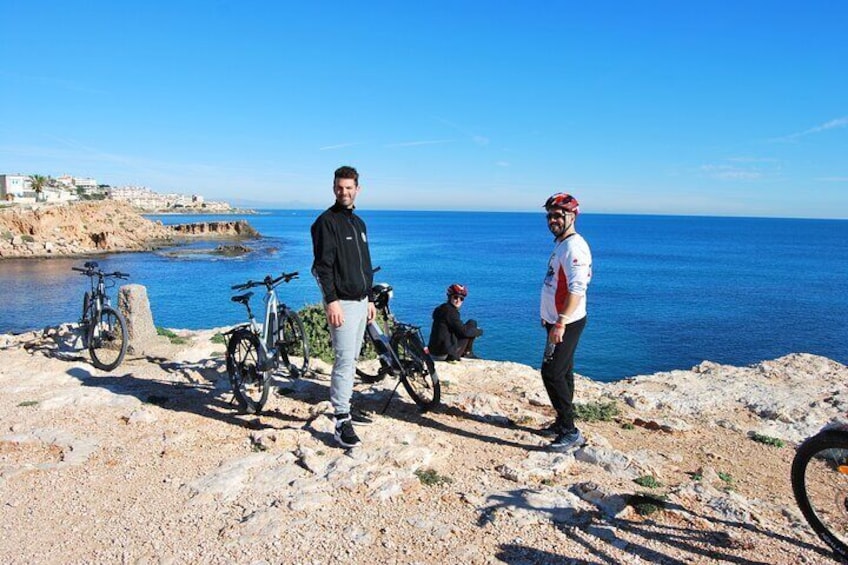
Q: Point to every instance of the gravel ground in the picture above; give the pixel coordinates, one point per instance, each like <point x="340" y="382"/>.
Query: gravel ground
<point x="153" y="464"/>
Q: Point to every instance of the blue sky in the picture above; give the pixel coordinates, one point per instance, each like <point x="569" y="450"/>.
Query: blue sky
<point x="713" y="107"/>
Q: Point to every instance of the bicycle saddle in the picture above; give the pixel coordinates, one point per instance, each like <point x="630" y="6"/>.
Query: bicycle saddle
<point x="242" y="298"/>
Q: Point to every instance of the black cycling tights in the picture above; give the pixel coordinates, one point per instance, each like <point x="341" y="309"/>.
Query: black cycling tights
<point x="558" y="373"/>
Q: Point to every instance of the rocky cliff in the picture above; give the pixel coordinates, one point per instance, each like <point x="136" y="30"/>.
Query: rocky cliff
<point x="153" y="464"/>
<point x="97" y="227"/>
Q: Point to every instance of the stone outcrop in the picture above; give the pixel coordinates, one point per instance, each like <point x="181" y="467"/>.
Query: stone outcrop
<point x="76" y="229"/>
<point x="236" y="228"/>
<point x="135" y="306"/>
<point x="82" y="228"/>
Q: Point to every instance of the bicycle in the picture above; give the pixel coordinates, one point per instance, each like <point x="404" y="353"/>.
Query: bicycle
<point x="254" y="351"/>
<point x="401" y="353"/>
<point x="103" y="328"/>
<point x="820" y="485"/>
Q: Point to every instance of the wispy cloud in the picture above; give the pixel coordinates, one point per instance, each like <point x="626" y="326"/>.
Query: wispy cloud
<point x="731" y="172"/>
<point x="838" y="123"/>
<point x="337" y="146"/>
<point x="476" y="138"/>
<point x="422" y="142"/>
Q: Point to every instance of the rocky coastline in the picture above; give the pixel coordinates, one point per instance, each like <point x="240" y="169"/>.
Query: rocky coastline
<point x="87" y="228"/>
<point x="152" y="463"/>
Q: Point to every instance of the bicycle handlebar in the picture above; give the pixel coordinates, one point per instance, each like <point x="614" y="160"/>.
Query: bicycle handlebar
<point x="268" y="282"/>
<point x="90" y="272"/>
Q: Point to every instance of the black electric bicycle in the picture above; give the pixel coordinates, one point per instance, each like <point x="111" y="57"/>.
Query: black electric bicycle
<point x="401" y="352"/>
<point x="254" y="351"/>
<point x="820" y="485"/>
<point x="103" y="328"/>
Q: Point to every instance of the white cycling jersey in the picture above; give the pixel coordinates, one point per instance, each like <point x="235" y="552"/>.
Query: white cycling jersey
<point x="569" y="272"/>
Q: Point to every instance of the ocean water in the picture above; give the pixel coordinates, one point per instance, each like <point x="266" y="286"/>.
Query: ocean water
<point x="668" y="292"/>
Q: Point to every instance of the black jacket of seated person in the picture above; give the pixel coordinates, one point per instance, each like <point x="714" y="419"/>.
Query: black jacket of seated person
<point x="449" y="337"/>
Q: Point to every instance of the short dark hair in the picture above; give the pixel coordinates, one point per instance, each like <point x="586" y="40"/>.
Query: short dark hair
<point x="345" y="172"/>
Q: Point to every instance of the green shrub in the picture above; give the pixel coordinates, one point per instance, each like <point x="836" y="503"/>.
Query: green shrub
<point x="647" y="481"/>
<point x="27" y="238"/>
<point x="219" y="339"/>
<point x="317" y="331"/>
<point x="430" y="477"/>
<point x="7" y="235"/>
<point x="768" y="440"/>
<point x="596" y="411"/>
<point x="172" y="337"/>
<point x="646" y="503"/>
<point x="28" y="403"/>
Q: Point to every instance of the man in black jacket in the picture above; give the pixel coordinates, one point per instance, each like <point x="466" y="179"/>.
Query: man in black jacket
<point x="342" y="267"/>
<point x="449" y="338"/>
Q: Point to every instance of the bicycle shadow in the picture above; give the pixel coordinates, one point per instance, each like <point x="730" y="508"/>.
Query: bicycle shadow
<point x="204" y="397"/>
<point x="715" y="544"/>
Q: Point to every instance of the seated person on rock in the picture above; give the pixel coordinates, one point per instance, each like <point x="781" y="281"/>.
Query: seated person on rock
<point x="451" y="339"/>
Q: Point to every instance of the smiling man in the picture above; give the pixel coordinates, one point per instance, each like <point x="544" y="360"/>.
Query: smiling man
<point x="563" y="313"/>
<point x="342" y="267"/>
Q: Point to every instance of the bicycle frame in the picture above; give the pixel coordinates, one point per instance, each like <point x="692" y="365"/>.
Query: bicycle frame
<point x="269" y="331"/>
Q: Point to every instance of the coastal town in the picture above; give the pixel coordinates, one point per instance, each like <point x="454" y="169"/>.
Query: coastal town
<point x="28" y="190"/>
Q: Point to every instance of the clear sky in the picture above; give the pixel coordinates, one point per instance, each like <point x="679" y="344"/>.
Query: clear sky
<point x="676" y="107"/>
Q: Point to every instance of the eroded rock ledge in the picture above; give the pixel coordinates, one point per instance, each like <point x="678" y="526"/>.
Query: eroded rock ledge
<point x="84" y="228"/>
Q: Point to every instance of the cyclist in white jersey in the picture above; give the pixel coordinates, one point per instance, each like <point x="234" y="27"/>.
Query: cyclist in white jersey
<point x="563" y="313"/>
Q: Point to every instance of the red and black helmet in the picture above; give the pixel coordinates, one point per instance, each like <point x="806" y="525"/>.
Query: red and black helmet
<point x="457" y="289"/>
<point x="565" y="201"/>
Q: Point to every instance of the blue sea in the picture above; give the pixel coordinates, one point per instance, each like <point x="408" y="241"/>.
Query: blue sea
<point x="667" y="293"/>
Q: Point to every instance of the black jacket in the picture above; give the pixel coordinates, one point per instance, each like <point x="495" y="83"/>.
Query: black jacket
<point x="448" y="329"/>
<point x="342" y="264"/>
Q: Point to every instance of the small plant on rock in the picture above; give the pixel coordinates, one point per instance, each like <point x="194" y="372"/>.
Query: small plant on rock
<point x="647" y="481"/>
<point x="596" y="411"/>
<point x="646" y="503"/>
<point x="172" y="337"/>
<point x="431" y="477"/>
<point x="767" y="440"/>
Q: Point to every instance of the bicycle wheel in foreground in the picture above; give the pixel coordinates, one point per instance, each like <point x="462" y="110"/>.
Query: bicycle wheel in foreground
<point x="368" y="366"/>
<point x="820" y="485"/>
<point x="419" y="376"/>
<point x="250" y="385"/>
<point x="107" y="339"/>
<point x="294" y="346"/>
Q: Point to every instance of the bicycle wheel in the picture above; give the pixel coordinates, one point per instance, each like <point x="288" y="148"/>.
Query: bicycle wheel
<point x="820" y="485"/>
<point x="107" y="339"/>
<point x="294" y="346"/>
<point x="419" y="376"/>
<point x="86" y="304"/>
<point x="250" y="385"/>
<point x="369" y="370"/>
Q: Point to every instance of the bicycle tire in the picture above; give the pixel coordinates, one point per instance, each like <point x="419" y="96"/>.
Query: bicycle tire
<point x="820" y="485"/>
<point x="419" y="375"/>
<point x="367" y="354"/>
<point x="86" y="304"/>
<point x="107" y="339"/>
<point x="294" y="345"/>
<point x="250" y="385"/>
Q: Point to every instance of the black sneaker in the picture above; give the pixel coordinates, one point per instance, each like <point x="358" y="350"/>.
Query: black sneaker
<point x="360" y="417"/>
<point x="345" y="436"/>
<point x="568" y="440"/>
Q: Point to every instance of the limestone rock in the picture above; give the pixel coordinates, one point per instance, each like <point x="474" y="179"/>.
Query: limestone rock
<point x="135" y="306"/>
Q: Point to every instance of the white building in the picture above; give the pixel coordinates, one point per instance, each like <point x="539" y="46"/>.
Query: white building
<point x="12" y="187"/>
